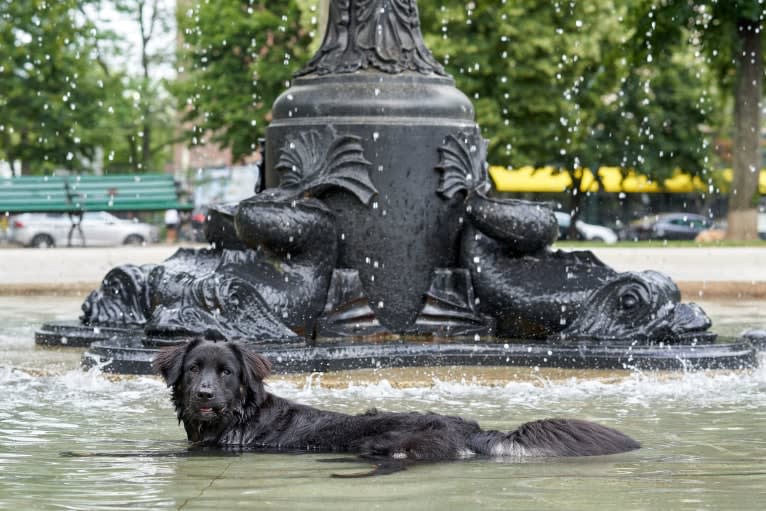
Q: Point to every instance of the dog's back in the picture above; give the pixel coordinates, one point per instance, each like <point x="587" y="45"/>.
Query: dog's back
<point x="219" y="395"/>
<point x="554" y="437"/>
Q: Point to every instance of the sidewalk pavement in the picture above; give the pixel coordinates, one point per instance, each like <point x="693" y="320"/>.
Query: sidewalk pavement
<point x="700" y="272"/>
<point x="70" y="270"/>
<point x="725" y="272"/>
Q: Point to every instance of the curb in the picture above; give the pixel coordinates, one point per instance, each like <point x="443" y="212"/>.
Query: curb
<point x="690" y="290"/>
<point x="700" y="273"/>
<point x="722" y="290"/>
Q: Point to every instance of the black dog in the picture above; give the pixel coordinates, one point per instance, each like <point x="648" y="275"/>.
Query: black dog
<point x="219" y="396"/>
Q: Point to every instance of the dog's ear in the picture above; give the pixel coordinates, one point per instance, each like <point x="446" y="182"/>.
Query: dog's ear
<point x="255" y="368"/>
<point x="170" y="360"/>
<point x="257" y="365"/>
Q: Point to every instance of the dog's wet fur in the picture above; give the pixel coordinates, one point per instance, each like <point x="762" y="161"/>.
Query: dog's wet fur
<point x="219" y="395"/>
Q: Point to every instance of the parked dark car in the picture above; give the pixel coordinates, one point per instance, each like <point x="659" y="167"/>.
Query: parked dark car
<point x="667" y="226"/>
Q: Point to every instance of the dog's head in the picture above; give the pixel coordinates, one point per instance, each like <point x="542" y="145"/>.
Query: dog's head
<point x="213" y="382"/>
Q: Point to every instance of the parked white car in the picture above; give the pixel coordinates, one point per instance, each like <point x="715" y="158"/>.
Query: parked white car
<point x="590" y="232"/>
<point x="98" y="228"/>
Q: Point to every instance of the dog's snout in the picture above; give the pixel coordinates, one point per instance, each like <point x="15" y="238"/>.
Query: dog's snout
<point x="205" y="393"/>
<point x="205" y="390"/>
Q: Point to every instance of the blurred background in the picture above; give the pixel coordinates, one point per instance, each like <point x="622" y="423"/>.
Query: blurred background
<point x="639" y="120"/>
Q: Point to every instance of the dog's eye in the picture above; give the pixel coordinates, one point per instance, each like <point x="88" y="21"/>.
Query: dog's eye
<point x="225" y="371"/>
<point x="194" y="369"/>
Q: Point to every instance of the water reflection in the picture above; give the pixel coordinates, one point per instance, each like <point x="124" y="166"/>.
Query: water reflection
<point x="703" y="439"/>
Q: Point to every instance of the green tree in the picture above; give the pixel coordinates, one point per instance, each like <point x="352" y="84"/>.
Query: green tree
<point x="237" y="57"/>
<point x="144" y="111"/>
<point x="533" y="70"/>
<point x="659" y="122"/>
<point x="730" y="36"/>
<point x="551" y="86"/>
<point x="141" y="120"/>
<point x="51" y="96"/>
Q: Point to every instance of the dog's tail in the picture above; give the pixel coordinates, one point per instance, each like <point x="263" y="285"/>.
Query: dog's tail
<point x="553" y="437"/>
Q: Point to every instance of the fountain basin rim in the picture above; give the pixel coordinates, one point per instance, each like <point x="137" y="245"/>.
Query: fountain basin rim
<point x="127" y="355"/>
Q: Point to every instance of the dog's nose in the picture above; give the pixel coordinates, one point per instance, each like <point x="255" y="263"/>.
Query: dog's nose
<point x="205" y="393"/>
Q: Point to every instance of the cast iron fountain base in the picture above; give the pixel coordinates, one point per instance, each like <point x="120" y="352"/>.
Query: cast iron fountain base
<point x="377" y="242"/>
<point x="126" y="351"/>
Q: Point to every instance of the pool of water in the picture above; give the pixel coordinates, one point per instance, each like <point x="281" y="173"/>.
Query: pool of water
<point x="703" y="435"/>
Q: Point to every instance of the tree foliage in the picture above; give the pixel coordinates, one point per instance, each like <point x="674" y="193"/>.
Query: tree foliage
<point x="552" y="86"/>
<point x="51" y="96"/>
<point x="660" y="121"/>
<point x="68" y="99"/>
<point x="146" y="109"/>
<point x="729" y="34"/>
<point x="237" y="58"/>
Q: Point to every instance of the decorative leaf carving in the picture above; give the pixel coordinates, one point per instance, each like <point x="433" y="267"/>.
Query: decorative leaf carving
<point x="380" y="34"/>
<point x="463" y="164"/>
<point x="313" y="165"/>
<point x="300" y="157"/>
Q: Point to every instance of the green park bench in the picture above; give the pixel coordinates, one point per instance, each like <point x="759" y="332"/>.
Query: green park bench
<point x="77" y="194"/>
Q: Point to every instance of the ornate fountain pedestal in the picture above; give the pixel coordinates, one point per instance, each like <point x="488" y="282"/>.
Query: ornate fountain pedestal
<point x="397" y="235"/>
<point x="376" y="243"/>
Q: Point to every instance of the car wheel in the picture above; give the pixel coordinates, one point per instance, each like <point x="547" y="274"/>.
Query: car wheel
<point x="598" y="239"/>
<point x="134" y="239"/>
<point x="41" y="241"/>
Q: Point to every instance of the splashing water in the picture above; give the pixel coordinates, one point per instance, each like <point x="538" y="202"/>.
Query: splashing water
<point x="701" y="431"/>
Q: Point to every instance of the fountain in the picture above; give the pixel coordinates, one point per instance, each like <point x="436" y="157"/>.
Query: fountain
<point x="376" y="243"/>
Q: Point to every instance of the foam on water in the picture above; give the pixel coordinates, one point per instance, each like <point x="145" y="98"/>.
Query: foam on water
<point x="700" y="388"/>
<point x="697" y="389"/>
<point x="691" y="425"/>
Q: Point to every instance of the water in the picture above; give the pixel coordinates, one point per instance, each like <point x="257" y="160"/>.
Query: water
<point x="703" y="435"/>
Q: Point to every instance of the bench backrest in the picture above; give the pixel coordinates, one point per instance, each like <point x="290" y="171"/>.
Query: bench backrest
<point x="122" y="192"/>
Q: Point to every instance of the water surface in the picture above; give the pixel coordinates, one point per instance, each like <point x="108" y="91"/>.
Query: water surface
<point x="703" y="434"/>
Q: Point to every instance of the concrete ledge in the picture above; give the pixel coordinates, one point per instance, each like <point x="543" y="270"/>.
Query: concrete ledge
<point x="52" y="289"/>
<point x="722" y="290"/>
<point x="704" y="272"/>
<point x="70" y="271"/>
<point x="690" y="290"/>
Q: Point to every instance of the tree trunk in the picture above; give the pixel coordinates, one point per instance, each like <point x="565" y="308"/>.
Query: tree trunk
<point x="743" y="196"/>
<point x="25" y="166"/>
<point x="146" y="145"/>
<point x="133" y="151"/>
